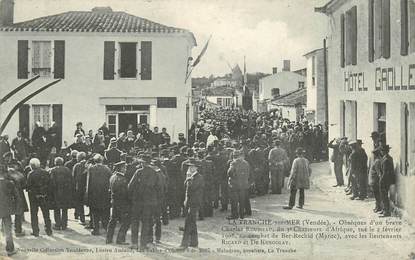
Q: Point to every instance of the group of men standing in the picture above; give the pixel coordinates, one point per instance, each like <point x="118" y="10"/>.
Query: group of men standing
<point x="375" y="172"/>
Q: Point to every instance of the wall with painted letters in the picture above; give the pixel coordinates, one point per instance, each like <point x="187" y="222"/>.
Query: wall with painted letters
<point x="389" y="79"/>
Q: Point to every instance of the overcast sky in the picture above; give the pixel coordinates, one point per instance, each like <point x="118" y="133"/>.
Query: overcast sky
<point x="265" y="31"/>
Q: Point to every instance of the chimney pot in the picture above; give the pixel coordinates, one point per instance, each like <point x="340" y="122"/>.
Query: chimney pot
<point x="6" y="12"/>
<point x="287" y="65"/>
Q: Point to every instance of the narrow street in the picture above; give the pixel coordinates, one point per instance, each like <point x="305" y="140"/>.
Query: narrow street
<point x="322" y="203"/>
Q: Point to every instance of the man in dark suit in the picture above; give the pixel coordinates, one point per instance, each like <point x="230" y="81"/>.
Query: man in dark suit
<point x="20" y="147"/>
<point x="8" y="201"/>
<point x="120" y="204"/>
<point x="143" y="191"/>
<point x="79" y="175"/>
<point x="62" y="187"/>
<point x="113" y="155"/>
<point x="98" y="182"/>
<point x="386" y="179"/>
<point x="238" y="176"/>
<point x="38" y="187"/>
<point x="193" y="202"/>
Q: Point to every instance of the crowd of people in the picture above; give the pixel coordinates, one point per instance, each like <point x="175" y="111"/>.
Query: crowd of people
<point x="374" y="173"/>
<point x="141" y="178"/>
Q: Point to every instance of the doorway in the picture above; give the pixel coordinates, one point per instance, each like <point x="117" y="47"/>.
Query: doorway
<point x="126" y="120"/>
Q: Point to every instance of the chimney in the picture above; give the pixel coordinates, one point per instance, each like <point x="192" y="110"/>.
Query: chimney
<point x="6" y="12"/>
<point x="274" y="70"/>
<point x="287" y="65"/>
<point x="102" y="9"/>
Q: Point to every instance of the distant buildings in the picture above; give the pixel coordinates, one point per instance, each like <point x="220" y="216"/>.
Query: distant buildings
<point x="221" y="96"/>
<point x="316" y="103"/>
<point x="277" y="84"/>
<point x="291" y="105"/>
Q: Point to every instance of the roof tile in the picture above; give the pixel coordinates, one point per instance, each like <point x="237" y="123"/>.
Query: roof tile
<point x="93" y="21"/>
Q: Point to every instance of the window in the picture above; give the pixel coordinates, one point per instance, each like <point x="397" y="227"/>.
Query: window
<point x="127" y="107"/>
<point x="166" y="102"/>
<point x="112" y="125"/>
<point x="301" y="84"/>
<point x="275" y="92"/>
<point x="41" y="113"/>
<point x="219" y="101"/>
<point x="379" y="29"/>
<point x="41" y="58"/>
<point x="227" y="102"/>
<point x="313" y="71"/>
<point x="380" y="114"/>
<point x="128" y="60"/>
<point x="348" y="37"/>
<point x="407" y="27"/>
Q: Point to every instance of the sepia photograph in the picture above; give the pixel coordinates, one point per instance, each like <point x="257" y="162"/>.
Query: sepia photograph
<point x="196" y="129"/>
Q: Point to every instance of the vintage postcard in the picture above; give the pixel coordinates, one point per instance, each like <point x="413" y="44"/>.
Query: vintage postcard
<point x="195" y="129"/>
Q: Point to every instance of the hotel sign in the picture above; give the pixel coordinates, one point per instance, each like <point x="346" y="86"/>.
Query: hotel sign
<point x="390" y="78"/>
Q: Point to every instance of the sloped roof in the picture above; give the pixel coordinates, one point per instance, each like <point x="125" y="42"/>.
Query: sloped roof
<point x="293" y="98"/>
<point x="100" y="19"/>
<point x="219" y="91"/>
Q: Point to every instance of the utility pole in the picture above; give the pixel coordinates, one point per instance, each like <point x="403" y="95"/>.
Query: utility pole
<point x="187" y="118"/>
<point x="326" y="87"/>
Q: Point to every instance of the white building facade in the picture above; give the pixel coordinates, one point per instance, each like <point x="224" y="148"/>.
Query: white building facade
<point x="115" y="68"/>
<point x="316" y="103"/>
<point x="371" y="80"/>
<point x="278" y="84"/>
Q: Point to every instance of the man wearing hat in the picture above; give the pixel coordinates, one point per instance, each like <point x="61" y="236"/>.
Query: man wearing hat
<point x="257" y="160"/>
<point x="120" y="204"/>
<point x="79" y="144"/>
<point x="358" y="170"/>
<point x="387" y="178"/>
<point x="191" y="159"/>
<point x="194" y="184"/>
<point x="143" y="191"/>
<point x="337" y="160"/>
<point x="278" y="160"/>
<point x="20" y="181"/>
<point x="374" y="174"/>
<point x="8" y="199"/>
<point x="182" y="141"/>
<point x="113" y="155"/>
<point x="160" y="212"/>
<point x="376" y="139"/>
<point x="207" y="170"/>
<point x="238" y="181"/>
<point x="178" y="181"/>
<point x="79" y="174"/>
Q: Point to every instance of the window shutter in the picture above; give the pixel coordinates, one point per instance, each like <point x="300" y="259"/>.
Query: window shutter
<point x="342" y="32"/>
<point x="404" y="27"/>
<point x="411" y="13"/>
<point x="109" y="58"/>
<point x="371" y="30"/>
<point x="146" y="60"/>
<point x="378" y="28"/>
<point x="386" y="29"/>
<point x="57" y="117"/>
<point x="24" y="120"/>
<point x="353" y="34"/>
<point x="22" y="59"/>
<point x="59" y="60"/>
